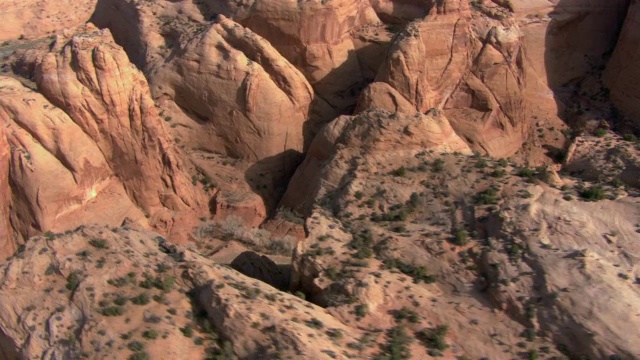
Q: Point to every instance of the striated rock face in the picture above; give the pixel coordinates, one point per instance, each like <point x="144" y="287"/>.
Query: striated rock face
<point x="8" y="244"/>
<point x="33" y="18"/>
<point x="245" y="100"/>
<point x="97" y="133"/>
<point x="622" y="75"/>
<point x="316" y="36"/>
<point x="469" y="66"/>
<point x="92" y="80"/>
<point x="56" y="176"/>
<point x="373" y="133"/>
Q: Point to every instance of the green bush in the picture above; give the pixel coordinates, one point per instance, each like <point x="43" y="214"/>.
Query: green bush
<point x="73" y="281"/>
<point x="434" y="338"/>
<point x="142" y="299"/>
<point x="135" y="346"/>
<point x="150" y="334"/>
<point x="460" y="237"/>
<point x="98" y="243"/>
<point x="112" y="311"/>
<point x="593" y="193"/>
<point x="399" y="172"/>
<point x="140" y="355"/>
<point x="187" y="331"/>
<point x="487" y="197"/>
<point x="397" y="346"/>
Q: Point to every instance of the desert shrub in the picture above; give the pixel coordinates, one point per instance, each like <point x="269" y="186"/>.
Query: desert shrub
<point x="139" y="355"/>
<point x="112" y="311"/>
<point x="399" y="172"/>
<point x="438" y="165"/>
<point x="335" y="334"/>
<point x="141" y="299"/>
<point x="418" y="273"/>
<point x="460" y="237"/>
<point x="361" y="310"/>
<point x="434" y="338"/>
<point x="135" y="346"/>
<point x="314" y="323"/>
<point x="73" y="281"/>
<point x="187" y="331"/>
<point x="150" y="334"/>
<point x="397" y="346"/>
<point x="593" y="193"/>
<point x="362" y="243"/>
<point x="487" y="197"/>
<point x="98" y="243"/>
<point x="406" y="314"/>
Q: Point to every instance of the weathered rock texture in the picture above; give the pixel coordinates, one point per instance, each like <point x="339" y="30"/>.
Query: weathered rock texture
<point x="316" y="36"/>
<point x="112" y="293"/>
<point x="466" y="64"/>
<point x="92" y="80"/>
<point x="373" y="133"/>
<point x="57" y="176"/>
<point x="93" y="148"/>
<point x="244" y="99"/>
<point x="623" y="74"/>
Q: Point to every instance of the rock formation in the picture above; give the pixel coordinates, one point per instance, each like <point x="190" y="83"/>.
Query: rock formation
<point x="622" y="75"/>
<point x="384" y="179"/>
<point x="375" y="133"/>
<point x="318" y="37"/>
<point x="97" y="133"/>
<point x="244" y="99"/>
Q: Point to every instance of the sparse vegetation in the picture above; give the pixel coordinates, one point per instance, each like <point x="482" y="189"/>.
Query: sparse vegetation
<point x="397" y="346"/>
<point x="98" y="243"/>
<point x="593" y="193"/>
<point x="434" y="338"/>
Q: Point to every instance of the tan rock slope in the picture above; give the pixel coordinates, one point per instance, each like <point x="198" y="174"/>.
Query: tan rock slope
<point x="554" y="267"/>
<point x="119" y="293"/>
<point x="244" y="98"/>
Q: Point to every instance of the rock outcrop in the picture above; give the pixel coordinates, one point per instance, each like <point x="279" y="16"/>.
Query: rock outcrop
<point x="557" y="265"/>
<point x="375" y="133"/>
<point x="56" y="174"/>
<point x="123" y="293"/>
<point x="318" y="37"/>
<point x="466" y="64"/>
<point x="622" y="75"/>
<point x="95" y="131"/>
<point x="92" y="80"/>
<point x="243" y="98"/>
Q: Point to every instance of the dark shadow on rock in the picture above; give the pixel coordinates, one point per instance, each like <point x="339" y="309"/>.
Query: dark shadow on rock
<point x="122" y="19"/>
<point x="557" y="154"/>
<point x="270" y="176"/>
<point x="578" y="43"/>
<point x="262" y="268"/>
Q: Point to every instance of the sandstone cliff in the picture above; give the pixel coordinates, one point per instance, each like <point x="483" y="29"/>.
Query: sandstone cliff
<point x="622" y="75"/>
<point x="95" y="131"/>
